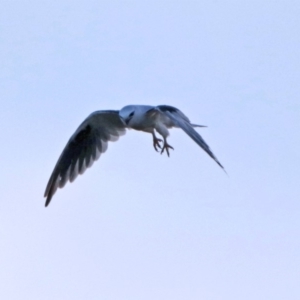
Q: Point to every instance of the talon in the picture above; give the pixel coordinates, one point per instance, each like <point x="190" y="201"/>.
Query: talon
<point x="156" y="144"/>
<point x="166" y="147"/>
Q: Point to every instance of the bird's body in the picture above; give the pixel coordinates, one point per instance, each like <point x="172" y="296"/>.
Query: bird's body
<point x="139" y="119"/>
<point x="90" y="139"/>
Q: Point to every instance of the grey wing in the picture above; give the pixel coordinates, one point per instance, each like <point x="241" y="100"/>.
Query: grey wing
<point x="180" y="120"/>
<point x="84" y="147"/>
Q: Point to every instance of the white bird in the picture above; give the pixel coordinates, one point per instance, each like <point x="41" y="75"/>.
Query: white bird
<point x="90" y="139"/>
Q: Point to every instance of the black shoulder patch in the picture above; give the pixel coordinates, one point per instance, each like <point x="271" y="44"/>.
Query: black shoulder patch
<point x="166" y="108"/>
<point x="83" y="134"/>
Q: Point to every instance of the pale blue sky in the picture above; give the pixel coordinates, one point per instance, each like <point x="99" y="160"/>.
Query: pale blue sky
<point x="139" y="225"/>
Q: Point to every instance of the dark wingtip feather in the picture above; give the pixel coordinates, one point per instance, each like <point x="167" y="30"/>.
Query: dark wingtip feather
<point x="48" y="200"/>
<point x="49" y="194"/>
<point x="51" y="188"/>
<point x="221" y="166"/>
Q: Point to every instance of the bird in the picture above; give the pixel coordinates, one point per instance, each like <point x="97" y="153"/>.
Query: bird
<point x="92" y="136"/>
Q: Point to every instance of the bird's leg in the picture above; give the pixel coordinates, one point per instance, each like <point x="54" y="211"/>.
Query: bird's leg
<point x="166" y="146"/>
<point x="156" y="141"/>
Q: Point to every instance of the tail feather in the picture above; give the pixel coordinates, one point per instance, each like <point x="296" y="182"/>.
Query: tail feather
<point x="195" y="125"/>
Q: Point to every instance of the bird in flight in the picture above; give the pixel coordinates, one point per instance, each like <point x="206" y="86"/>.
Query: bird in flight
<point x="90" y="139"/>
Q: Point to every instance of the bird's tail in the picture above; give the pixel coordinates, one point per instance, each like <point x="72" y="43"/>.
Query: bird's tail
<point x="195" y="125"/>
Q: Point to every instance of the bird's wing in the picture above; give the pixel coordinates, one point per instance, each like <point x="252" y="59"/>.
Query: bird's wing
<point x="180" y="120"/>
<point x="84" y="147"/>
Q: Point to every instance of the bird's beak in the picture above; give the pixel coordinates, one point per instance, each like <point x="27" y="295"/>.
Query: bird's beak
<point x="123" y="121"/>
<point x="127" y="120"/>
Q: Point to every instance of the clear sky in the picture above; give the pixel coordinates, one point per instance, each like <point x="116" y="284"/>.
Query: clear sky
<point x="140" y="225"/>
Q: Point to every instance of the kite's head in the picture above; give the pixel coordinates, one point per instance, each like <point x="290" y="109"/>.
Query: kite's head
<point x="127" y="112"/>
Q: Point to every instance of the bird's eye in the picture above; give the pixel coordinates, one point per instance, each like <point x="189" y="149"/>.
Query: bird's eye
<point x="131" y="114"/>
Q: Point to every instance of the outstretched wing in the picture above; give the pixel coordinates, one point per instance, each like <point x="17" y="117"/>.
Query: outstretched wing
<point x="84" y="147"/>
<point x="180" y="120"/>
